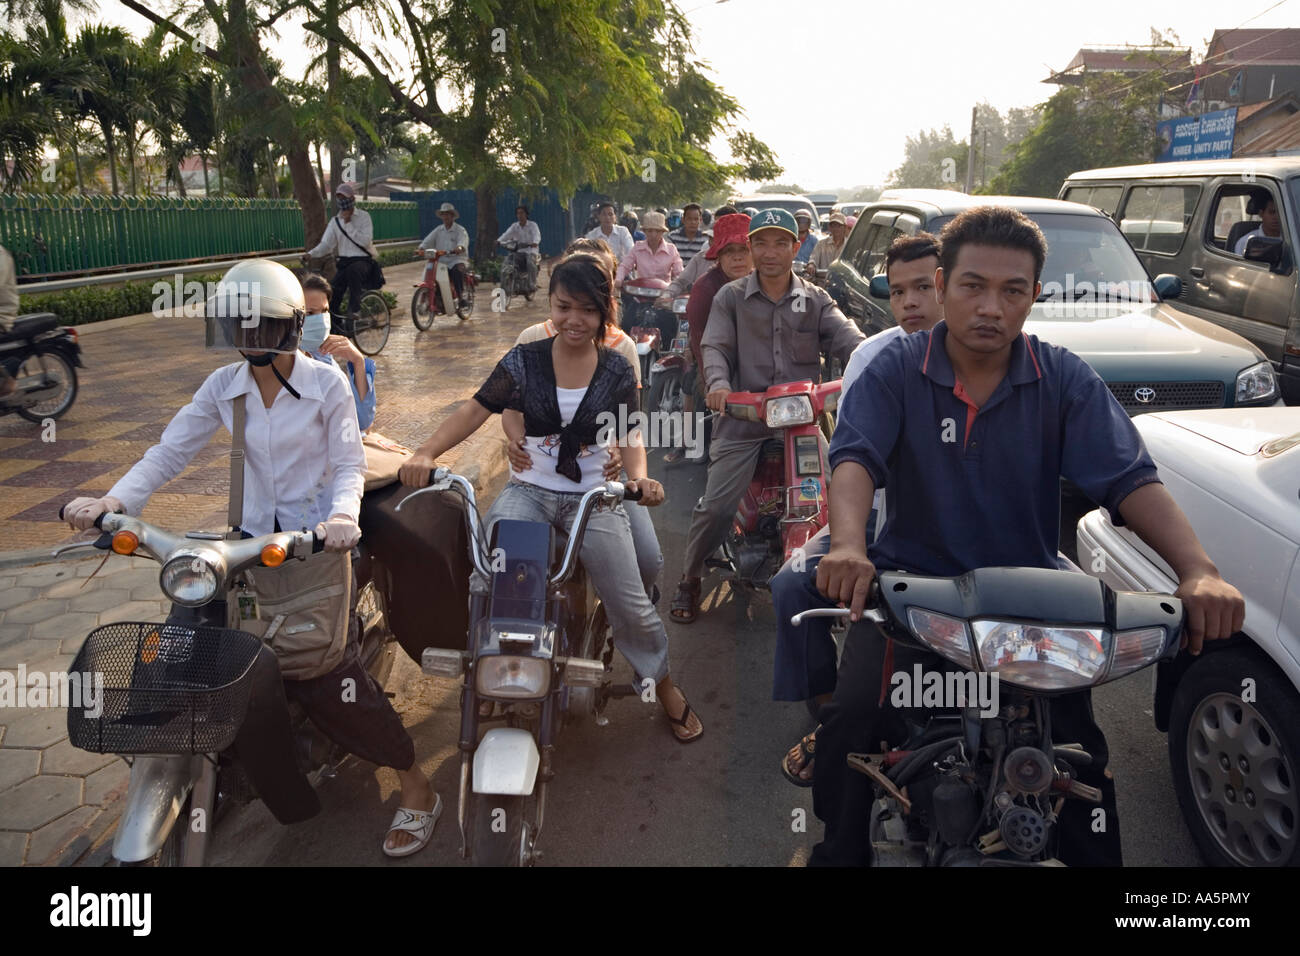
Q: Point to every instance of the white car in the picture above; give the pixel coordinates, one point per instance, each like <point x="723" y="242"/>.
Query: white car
<point x="1232" y="714"/>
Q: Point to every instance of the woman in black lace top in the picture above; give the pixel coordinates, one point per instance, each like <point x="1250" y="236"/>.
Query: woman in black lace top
<point x="567" y="387"/>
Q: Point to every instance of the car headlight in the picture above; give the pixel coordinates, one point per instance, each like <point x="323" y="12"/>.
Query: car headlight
<point x="1044" y="658"/>
<point x="189" y="580"/>
<point x="948" y="636"/>
<point x="518" y="678"/>
<point x="1256" y="384"/>
<point x="790" y="410"/>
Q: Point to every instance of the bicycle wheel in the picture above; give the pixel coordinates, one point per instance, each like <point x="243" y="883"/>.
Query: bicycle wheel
<point x="421" y="314"/>
<point x="371" y="330"/>
<point x="466" y="306"/>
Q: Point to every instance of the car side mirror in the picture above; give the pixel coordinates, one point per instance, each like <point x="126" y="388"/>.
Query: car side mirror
<point x="1168" y="286"/>
<point x="880" y="286"/>
<point x="1265" y="249"/>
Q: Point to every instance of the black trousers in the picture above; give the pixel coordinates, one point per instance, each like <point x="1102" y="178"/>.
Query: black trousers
<point x="457" y="275"/>
<point x="349" y="707"/>
<point x="349" y="274"/>
<point x="854" y="722"/>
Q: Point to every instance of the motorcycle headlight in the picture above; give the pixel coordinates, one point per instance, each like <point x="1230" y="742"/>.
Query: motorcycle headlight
<point x="1256" y="384"/>
<point x="790" y="410"/>
<point x="518" y="678"/>
<point x="1043" y="658"/>
<point x="189" y="580"/>
<point x="679" y="304"/>
<point x="948" y="636"/>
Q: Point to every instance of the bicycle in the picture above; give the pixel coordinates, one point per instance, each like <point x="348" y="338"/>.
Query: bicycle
<point x="370" y="329"/>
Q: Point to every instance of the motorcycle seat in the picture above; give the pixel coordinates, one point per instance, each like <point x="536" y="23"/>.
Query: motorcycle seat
<point x="31" y="325"/>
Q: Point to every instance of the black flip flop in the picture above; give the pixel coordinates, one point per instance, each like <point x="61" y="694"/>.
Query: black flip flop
<point x="807" y="755"/>
<point x="683" y="721"/>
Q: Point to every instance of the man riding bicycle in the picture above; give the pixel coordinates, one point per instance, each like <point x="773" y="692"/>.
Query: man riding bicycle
<point x="350" y="238"/>
<point x="452" y="239"/>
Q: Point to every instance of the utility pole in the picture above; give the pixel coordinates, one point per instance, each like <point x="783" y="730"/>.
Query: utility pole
<point x="970" y="153"/>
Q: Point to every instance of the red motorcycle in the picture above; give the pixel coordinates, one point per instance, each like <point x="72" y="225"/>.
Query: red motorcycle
<point x="434" y="290"/>
<point x="787" y="501"/>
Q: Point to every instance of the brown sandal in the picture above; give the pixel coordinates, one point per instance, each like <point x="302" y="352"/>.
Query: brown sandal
<point x="686" y="603"/>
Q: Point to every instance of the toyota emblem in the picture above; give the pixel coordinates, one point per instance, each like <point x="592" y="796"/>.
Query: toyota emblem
<point x="1145" y="395"/>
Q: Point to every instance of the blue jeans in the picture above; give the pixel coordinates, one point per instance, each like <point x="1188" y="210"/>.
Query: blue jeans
<point x="609" y="558"/>
<point x="649" y="556"/>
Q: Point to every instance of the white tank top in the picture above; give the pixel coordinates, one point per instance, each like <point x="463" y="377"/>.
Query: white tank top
<point x="545" y="452"/>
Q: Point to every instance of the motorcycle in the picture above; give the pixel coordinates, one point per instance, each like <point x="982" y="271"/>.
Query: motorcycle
<point x="972" y="788"/>
<point x="434" y="291"/>
<point x="518" y="277"/>
<point x="786" y="502"/>
<point x="540" y="649"/>
<point x="668" y="372"/>
<point x="43" y="358"/>
<point x="177" y="694"/>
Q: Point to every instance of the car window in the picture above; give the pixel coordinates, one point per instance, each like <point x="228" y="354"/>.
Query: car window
<point x="874" y="261"/>
<point x="1231" y="216"/>
<point x="1155" y="218"/>
<point x="856" y="244"/>
<point x="1105" y="198"/>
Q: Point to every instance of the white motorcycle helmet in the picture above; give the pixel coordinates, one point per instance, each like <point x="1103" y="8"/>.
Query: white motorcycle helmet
<point x="258" y="307"/>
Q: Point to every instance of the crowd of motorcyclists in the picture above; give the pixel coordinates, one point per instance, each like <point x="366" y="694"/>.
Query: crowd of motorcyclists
<point x="908" y="495"/>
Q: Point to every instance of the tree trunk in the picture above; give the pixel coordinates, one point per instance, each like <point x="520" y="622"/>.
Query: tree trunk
<point x="207" y="190"/>
<point x="320" y="172"/>
<point x="76" y="163"/>
<point x="485" y="212"/>
<point x="365" y="189"/>
<point x="270" y="168"/>
<point x="109" y="145"/>
<point x="336" y="147"/>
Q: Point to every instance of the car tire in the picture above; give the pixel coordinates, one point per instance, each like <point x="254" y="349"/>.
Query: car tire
<point x="1236" y="763"/>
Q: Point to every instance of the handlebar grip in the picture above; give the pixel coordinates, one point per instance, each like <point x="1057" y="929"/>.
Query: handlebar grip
<point x="317" y="543"/>
<point x="633" y="494"/>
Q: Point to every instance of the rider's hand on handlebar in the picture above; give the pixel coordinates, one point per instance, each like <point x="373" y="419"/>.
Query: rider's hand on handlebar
<point x="717" y="400"/>
<point x="1214" y="610"/>
<point x="844" y="575"/>
<point x="665" y="301"/>
<point x="339" y="532"/>
<point x="415" y="473"/>
<point x="80" y="513"/>
<point x="652" y="493"/>
<point x="519" y="459"/>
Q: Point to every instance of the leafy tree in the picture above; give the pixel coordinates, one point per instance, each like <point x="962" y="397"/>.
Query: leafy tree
<point x="932" y="159"/>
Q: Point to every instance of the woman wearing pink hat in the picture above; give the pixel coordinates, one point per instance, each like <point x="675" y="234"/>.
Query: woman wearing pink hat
<point x="730" y="251"/>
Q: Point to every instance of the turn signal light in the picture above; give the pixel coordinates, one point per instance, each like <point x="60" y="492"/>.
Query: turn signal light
<point x="273" y="555"/>
<point x="125" y="542"/>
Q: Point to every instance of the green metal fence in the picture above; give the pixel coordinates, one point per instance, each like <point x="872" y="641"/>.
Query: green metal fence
<point x="51" y="234"/>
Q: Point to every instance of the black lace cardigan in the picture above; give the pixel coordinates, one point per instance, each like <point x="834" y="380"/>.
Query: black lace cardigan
<point x="524" y="381"/>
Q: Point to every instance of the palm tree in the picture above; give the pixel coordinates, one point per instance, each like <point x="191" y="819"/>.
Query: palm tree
<point x="107" y="52"/>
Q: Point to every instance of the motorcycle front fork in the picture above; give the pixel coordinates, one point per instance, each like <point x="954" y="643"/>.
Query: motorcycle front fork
<point x="203" y="805"/>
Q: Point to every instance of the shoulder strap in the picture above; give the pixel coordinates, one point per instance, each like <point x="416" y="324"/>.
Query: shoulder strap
<point x="339" y="223"/>
<point x="235" y="513"/>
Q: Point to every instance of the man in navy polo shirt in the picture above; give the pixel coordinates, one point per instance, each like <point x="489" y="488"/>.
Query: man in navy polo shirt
<point x="971" y="426"/>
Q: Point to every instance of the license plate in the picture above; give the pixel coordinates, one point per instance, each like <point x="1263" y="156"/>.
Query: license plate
<point x="680" y="345"/>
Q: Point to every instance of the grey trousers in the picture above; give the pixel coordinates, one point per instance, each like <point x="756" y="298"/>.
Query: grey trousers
<point x="731" y="468"/>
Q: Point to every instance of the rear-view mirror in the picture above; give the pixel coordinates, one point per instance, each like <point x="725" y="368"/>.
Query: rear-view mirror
<point x="880" y="286"/>
<point x="1168" y="286"/>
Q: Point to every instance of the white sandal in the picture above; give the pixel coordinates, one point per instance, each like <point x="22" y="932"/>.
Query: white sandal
<point x="417" y="822"/>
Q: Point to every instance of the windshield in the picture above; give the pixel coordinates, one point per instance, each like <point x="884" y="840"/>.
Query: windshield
<point x="1090" y="261"/>
<point x="1293" y="190"/>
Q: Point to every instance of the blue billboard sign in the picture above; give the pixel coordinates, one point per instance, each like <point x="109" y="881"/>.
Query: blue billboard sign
<point x="1208" y="136"/>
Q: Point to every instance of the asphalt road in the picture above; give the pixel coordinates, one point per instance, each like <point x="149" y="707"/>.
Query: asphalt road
<point x="628" y="794"/>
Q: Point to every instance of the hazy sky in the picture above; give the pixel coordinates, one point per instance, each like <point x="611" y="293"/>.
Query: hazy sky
<point x="835" y="86"/>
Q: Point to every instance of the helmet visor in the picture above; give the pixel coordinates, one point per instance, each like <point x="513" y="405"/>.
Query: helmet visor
<point x="238" y="317"/>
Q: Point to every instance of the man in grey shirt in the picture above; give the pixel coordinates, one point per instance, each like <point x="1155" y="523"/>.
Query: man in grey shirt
<point x="764" y="329"/>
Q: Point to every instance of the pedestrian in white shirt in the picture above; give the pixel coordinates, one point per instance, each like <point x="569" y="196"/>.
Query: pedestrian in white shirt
<point x="350" y="237"/>
<point x="452" y="239"/>
<point x="617" y="237"/>
<point x="304" y="468"/>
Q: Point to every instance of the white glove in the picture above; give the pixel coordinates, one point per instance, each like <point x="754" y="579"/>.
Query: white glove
<point x="81" y="513"/>
<point x="340" y="532"/>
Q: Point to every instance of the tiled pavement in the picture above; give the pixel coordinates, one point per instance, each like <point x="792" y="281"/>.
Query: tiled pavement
<point x="57" y="802"/>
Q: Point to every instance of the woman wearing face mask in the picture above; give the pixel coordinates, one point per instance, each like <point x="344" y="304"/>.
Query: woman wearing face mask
<point x="320" y="345"/>
<point x="303" y="469"/>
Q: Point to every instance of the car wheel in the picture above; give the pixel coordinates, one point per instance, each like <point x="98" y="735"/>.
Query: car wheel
<point x="1236" y="761"/>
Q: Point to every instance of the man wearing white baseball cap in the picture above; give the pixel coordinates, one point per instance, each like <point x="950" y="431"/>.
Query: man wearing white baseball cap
<point x="452" y="239"/>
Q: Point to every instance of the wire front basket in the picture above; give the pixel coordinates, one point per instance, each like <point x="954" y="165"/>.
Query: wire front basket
<point x="163" y="688"/>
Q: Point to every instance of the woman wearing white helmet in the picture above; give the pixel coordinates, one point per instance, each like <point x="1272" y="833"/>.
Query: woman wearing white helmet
<point x="295" y="411"/>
